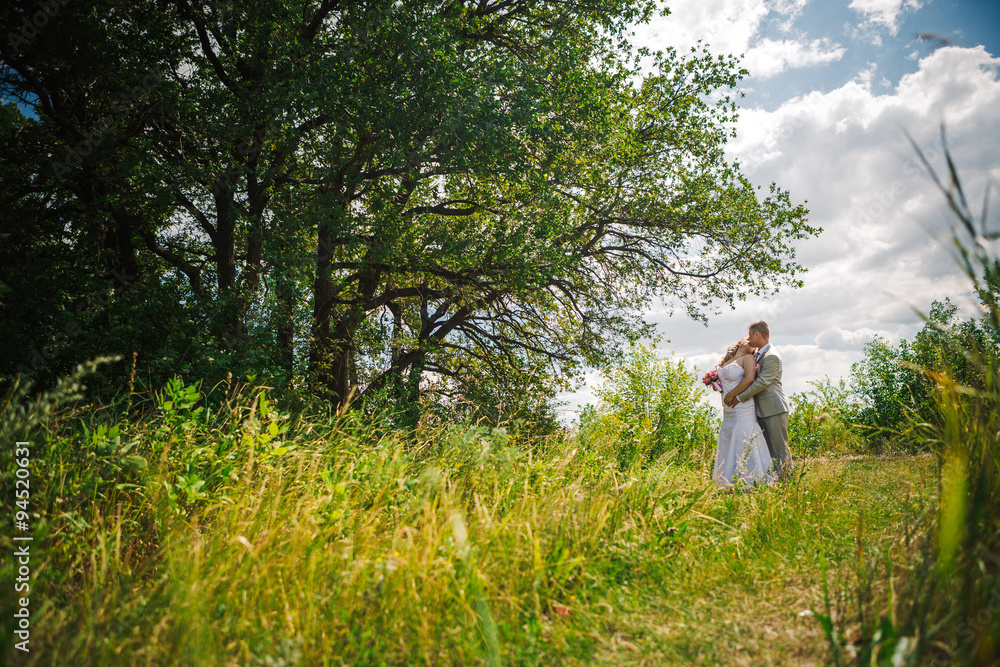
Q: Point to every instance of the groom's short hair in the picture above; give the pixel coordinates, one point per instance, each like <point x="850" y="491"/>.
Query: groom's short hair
<point x="760" y="326"/>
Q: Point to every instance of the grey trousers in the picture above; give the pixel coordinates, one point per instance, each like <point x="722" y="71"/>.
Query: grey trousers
<point x="775" y="430"/>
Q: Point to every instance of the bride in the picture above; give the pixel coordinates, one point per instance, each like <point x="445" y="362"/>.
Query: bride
<point x="742" y="459"/>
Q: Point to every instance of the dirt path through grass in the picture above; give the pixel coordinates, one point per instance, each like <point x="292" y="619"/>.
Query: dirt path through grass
<point x="743" y="589"/>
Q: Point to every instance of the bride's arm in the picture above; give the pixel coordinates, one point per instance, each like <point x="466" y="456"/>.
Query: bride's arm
<point x="749" y="373"/>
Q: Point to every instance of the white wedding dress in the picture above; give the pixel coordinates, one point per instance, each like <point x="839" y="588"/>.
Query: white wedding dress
<point x="742" y="459"/>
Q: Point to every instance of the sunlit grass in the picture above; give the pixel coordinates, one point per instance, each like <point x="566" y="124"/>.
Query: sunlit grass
<point x="253" y="538"/>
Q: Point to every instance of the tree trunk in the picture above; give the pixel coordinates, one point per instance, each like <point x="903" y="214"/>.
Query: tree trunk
<point x="123" y="268"/>
<point x="225" y="266"/>
<point x="257" y="204"/>
<point x="225" y="243"/>
<point x="286" y="323"/>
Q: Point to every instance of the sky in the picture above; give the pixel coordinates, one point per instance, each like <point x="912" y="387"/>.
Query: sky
<point x="834" y="88"/>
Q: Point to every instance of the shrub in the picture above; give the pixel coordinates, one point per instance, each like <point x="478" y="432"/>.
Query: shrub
<point x="651" y="406"/>
<point x="896" y="385"/>
<point x="821" y="420"/>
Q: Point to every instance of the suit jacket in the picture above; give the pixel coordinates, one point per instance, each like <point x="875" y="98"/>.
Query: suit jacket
<point x="769" y="397"/>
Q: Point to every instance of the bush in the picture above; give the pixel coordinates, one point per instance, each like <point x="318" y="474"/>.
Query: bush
<point x="888" y="389"/>
<point x="821" y="420"/>
<point x="651" y="406"/>
<point x="896" y="384"/>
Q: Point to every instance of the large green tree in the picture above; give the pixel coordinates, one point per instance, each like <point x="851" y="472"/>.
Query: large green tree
<point x="474" y="198"/>
<point x="82" y="89"/>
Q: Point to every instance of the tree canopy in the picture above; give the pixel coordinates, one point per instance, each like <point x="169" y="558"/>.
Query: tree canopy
<point x="468" y="199"/>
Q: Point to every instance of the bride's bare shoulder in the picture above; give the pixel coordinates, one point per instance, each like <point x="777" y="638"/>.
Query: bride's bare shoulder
<point x="736" y="361"/>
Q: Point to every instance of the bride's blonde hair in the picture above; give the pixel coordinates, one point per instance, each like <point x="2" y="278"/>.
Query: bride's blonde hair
<point x="732" y="350"/>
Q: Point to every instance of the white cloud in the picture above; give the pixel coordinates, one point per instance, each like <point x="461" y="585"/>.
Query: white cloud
<point x="840" y="339"/>
<point x="884" y="13"/>
<point x="770" y="57"/>
<point x="813" y="364"/>
<point x="727" y="26"/>
<point x="734" y="27"/>
<point x="846" y="152"/>
<point x="790" y="8"/>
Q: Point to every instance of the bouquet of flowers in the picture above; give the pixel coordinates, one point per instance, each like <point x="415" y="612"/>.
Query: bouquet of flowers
<point x="711" y="379"/>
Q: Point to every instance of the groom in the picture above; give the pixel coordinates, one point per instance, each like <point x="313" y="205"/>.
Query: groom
<point x="769" y="399"/>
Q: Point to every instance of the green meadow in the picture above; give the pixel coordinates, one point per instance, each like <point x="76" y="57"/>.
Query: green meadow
<point x="238" y="534"/>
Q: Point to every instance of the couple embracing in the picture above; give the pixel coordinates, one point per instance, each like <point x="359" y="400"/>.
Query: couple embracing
<point x="753" y="440"/>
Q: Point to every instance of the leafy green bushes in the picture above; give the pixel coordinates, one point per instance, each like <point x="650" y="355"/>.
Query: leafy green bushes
<point x="821" y="420"/>
<point x="896" y="384"/>
<point x="650" y="406"/>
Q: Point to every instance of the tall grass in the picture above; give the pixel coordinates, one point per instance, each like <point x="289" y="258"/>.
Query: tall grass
<point x="239" y="534"/>
<point x="233" y="532"/>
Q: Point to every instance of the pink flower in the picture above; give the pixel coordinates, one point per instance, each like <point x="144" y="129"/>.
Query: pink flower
<point x="711" y="379"/>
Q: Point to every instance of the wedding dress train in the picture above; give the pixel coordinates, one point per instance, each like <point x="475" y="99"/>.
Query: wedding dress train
<point x="742" y="459"/>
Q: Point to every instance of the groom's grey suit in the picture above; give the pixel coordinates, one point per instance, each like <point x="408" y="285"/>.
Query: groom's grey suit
<point x="771" y="407"/>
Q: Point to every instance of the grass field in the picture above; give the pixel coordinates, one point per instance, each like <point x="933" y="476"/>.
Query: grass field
<point x="744" y="590"/>
<point x="250" y="539"/>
